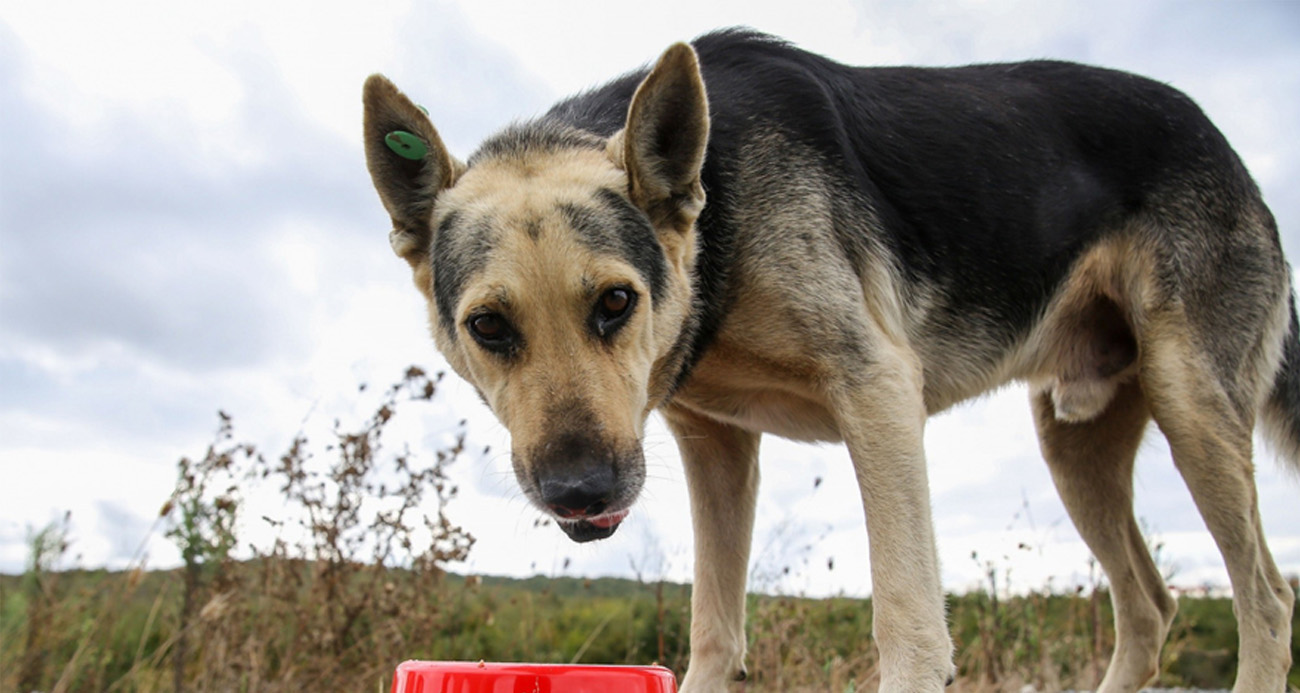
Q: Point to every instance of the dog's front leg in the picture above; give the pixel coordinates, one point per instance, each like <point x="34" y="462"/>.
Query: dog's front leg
<point x="882" y="415"/>
<point x="721" y="464"/>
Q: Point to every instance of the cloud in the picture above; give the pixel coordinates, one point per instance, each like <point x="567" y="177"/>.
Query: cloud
<point x="141" y="240"/>
<point x="471" y="83"/>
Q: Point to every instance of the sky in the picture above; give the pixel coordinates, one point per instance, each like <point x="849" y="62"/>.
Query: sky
<point x="187" y="226"/>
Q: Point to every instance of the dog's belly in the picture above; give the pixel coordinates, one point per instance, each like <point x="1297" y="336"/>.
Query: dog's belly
<point x="785" y="414"/>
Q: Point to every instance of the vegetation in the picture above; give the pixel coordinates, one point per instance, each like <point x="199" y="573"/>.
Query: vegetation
<point x="357" y="581"/>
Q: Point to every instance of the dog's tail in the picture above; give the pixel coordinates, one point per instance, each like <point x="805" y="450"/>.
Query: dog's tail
<point x="1281" y="412"/>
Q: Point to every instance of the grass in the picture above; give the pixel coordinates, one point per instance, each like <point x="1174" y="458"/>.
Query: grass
<point x="267" y="631"/>
<point x="366" y="584"/>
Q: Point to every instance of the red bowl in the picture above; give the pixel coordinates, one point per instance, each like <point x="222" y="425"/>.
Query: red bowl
<point x="485" y="677"/>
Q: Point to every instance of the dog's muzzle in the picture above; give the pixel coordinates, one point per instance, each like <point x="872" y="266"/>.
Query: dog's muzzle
<point x="583" y="500"/>
<point x="587" y="484"/>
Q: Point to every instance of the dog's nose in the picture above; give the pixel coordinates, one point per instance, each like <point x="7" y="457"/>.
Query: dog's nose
<point x="585" y="493"/>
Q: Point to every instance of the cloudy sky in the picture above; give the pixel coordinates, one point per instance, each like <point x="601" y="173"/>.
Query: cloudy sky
<point x="186" y="225"/>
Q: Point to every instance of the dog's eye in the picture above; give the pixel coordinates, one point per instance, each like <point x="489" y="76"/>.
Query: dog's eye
<point x="613" y="310"/>
<point x="615" y="302"/>
<point x="492" y="331"/>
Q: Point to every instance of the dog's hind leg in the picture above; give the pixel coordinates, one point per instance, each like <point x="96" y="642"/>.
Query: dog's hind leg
<point x="1209" y="421"/>
<point x="1092" y="466"/>
<point x="721" y="464"/>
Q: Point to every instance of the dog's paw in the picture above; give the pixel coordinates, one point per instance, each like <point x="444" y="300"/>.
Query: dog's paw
<point x="717" y="684"/>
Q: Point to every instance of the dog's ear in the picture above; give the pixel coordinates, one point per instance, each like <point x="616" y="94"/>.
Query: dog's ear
<point x="408" y="164"/>
<point x="665" y="138"/>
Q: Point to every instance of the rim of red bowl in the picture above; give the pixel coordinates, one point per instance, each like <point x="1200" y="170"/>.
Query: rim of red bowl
<point x="418" y="676"/>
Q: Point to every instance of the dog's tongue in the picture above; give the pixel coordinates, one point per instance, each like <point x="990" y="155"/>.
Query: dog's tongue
<point x="607" y="521"/>
<point x="599" y="527"/>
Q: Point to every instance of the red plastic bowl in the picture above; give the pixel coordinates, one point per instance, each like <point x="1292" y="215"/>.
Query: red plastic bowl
<point x="485" y="677"/>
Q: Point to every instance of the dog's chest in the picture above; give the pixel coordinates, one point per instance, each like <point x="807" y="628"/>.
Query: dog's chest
<point x="732" y="389"/>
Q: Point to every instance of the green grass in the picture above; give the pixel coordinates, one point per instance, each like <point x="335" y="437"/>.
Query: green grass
<point x="117" y="631"/>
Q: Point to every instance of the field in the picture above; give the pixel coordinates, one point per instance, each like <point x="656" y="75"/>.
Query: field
<point x="367" y="580"/>
<point x="267" y="627"/>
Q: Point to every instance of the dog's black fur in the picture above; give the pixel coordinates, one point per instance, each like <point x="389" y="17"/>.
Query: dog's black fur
<point x="988" y="179"/>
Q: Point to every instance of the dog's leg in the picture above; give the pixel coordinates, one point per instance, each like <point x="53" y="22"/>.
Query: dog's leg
<point x="1092" y="465"/>
<point x="722" y="475"/>
<point x="1209" y="432"/>
<point x="881" y="414"/>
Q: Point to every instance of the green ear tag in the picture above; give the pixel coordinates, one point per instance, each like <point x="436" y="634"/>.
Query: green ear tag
<point x="406" y="145"/>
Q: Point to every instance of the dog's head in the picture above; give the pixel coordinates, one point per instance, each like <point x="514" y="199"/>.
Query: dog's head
<point x="557" y="269"/>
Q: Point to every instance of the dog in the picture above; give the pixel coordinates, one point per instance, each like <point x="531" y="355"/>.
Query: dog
<point x="749" y="238"/>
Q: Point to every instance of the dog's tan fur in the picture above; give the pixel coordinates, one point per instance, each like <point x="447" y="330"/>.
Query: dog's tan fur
<point x="1112" y="351"/>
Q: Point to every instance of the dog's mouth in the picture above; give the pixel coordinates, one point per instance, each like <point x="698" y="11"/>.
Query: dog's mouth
<point x="584" y="483"/>
<point x="587" y="529"/>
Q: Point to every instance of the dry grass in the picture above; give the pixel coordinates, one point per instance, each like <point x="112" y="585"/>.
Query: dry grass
<point x="357" y="582"/>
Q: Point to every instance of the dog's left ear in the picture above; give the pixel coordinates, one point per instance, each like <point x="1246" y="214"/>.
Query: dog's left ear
<point x="663" y="143"/>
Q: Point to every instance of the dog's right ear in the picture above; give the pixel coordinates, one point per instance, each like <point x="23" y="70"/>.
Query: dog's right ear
<point x="408" y="164"/>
